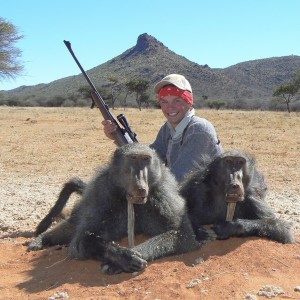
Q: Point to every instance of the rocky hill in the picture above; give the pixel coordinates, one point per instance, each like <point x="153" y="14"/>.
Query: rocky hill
<point x="150" y="59"/>
<point x="262" y="76"/>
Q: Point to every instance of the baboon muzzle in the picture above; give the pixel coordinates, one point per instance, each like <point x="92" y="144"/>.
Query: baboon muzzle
<point x="138" y="189"/>
<point x="234" y="190"/>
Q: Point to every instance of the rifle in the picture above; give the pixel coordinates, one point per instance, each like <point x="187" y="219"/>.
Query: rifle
<point x="123" y="135"/>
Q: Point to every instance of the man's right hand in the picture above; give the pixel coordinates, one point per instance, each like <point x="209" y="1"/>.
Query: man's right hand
<point x="109" y="128"/>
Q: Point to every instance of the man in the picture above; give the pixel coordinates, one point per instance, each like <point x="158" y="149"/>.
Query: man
<point x="184" y="139"/>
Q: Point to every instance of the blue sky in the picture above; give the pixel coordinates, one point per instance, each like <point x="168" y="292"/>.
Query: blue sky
<point x="217" y="32"/>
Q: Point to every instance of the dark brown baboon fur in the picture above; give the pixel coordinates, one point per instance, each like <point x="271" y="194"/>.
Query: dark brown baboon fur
<point x="134" y="174"/>
<point x="233" y="177"/>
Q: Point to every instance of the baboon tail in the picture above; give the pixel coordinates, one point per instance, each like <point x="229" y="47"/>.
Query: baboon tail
<point x="73" y="185"/>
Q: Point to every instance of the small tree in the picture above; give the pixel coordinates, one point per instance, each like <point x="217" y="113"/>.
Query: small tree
<point x="288" y="91"/>
<point x="86" y="93"/>
<point x="115" y="90"/>
<point x="10" y="67"/>
<point x="145" y="98"/>
<point x="138" y="86"/>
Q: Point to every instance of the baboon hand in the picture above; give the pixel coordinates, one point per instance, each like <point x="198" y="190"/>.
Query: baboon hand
<point x="36" y="244"/>
<point x="225" y="230"/>
<point x="205" y="235"/>
<point x="126" y="260"/>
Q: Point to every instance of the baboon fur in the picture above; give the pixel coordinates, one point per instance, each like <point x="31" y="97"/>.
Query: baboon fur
<point x="99" y="219"/>
<point x="233" y="177"/>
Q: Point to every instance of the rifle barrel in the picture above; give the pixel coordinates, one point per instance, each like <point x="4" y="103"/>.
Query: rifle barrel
<point x="122" y="136"/>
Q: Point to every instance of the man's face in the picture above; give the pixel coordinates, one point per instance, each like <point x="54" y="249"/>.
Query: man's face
<point x="174" y="109"/>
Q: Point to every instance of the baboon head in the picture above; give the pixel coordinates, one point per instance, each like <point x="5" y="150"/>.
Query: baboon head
<point x="138" y="168"/>
<point x="232" y="174"/>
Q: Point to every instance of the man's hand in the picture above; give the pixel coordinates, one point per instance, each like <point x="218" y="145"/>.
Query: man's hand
<point x="109" y="128"/>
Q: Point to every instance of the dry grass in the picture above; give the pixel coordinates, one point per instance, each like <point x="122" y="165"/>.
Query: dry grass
<point x="67" y="141"/>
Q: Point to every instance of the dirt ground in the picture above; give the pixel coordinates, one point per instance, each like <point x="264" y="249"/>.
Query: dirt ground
<point x="41" y="148"/>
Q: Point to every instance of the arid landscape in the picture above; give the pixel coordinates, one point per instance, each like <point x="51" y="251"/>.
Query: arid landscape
<point x="41" y="148"/>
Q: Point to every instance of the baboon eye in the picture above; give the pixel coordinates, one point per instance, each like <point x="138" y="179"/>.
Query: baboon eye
<point x="228" y="161"/>
<point x="241" y="162"/>
<point x="141" y="157"/>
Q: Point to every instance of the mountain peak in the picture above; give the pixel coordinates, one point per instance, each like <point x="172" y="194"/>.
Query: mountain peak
<point x="146" y="43"/>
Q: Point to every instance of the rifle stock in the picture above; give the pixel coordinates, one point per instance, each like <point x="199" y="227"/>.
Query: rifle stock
<point x="123" y="135"/>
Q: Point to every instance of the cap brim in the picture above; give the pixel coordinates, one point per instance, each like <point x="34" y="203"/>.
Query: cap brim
<point x="167" y="82"/>
<point x="160" y="85"/>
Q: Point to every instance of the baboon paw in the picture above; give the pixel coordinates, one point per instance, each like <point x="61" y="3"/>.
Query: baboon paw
<point x="204" y="235"/>
<point x="134" y="263"/>
<point x="222" y="230"/>
<point x="36" y="244"/>
<point x="125" y="260"/>
<point x="111" y="268"/>
<point x="211" y="234"/>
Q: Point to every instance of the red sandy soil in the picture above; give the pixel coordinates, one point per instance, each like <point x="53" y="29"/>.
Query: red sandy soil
<point x="42" y="148"/>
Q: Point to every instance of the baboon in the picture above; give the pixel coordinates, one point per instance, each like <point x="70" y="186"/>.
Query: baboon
<point x="232" y="179"/>
<point x="99" y="219"/>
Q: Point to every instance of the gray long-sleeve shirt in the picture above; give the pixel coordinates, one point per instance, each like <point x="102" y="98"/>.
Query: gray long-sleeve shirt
<point x="184" y="153"/>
